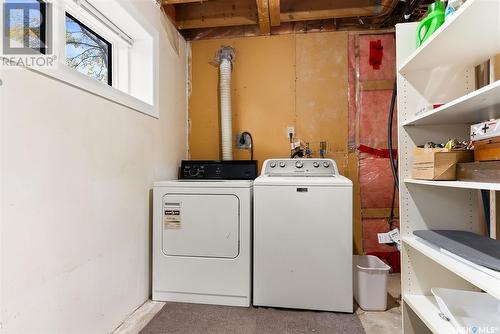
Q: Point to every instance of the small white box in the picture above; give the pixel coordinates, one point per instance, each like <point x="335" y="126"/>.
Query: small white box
<point x="370" y="282"/>
<point x="485" y="130"/>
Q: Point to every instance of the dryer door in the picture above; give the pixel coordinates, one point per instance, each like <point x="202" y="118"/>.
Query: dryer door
<point x="201" y="225"/>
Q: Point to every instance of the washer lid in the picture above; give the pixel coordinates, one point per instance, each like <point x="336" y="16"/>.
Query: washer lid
<point x="326" y="181"/>
<point x="205" y="184"/>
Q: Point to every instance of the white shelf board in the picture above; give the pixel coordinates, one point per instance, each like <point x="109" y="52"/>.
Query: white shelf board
<point x="480" y="279"/>
<point x="478" y="106"/>
<point x="456" y="184"/>
<point x="469" y="37"/>
<point x="428" y="311"/>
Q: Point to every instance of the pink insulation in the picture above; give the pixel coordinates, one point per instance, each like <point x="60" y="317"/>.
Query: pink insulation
<point x="373" y="118"/>
<point x="376" y="182"/>
<point x="368" y="119"/>
<point x="387" y="69"/>
<point x="371" y="227"/>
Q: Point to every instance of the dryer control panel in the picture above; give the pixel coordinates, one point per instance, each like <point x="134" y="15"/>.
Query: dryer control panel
<point x="300" y="167"/>
<point x="218" y="170"/>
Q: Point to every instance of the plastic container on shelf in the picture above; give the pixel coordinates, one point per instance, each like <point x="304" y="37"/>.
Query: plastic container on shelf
<point x="469" y="311"/>
<point x="370" y="282"/>
<point x="452" y="7"/>
<point x="430" y="23"/>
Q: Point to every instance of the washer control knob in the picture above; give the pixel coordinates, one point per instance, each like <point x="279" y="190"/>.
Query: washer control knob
<point x="326" y="164"/>
<point x="315" y="164"/>
<point x="272" y="164"/>
<point x="299" y="164"/>
<point x="282" y="164"/>
<point x="194" y="171"/>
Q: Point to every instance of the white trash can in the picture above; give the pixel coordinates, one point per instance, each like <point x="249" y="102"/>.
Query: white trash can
<point x="370" y="282"/>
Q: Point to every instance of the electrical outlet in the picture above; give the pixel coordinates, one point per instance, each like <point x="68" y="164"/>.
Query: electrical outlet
<point x="290" y="130"/>
<point x="243" y="141"/>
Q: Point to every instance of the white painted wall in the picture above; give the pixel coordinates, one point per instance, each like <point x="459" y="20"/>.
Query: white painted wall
<point x="76" y="174"/>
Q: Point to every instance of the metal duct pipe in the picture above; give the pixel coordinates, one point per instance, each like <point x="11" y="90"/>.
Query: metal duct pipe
<point x="224" y="58"/>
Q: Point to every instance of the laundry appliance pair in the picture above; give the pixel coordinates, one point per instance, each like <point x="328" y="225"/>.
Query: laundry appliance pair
<point x="281" y="240"/>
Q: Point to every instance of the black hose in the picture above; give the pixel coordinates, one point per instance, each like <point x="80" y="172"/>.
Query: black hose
<point x="393" y="162"/>
<point x="394" y="167"/>
<point x="298" y="153"/>
<point x="391" y="216"/>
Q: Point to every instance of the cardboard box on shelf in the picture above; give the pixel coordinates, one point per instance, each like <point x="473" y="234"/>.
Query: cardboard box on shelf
<point x="438" y="163"/>
<point x="485" y="171"/>
<point x="487" y="149"/>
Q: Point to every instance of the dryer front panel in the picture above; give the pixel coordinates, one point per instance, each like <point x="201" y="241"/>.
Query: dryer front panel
<point x="201" y="225"/>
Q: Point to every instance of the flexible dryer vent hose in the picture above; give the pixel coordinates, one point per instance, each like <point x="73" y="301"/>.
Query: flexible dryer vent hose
<point x="225" y="110"/>
<point x="224" y="58"/>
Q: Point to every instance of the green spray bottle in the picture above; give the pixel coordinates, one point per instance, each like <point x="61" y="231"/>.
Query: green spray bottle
<point x="431" y="23"/>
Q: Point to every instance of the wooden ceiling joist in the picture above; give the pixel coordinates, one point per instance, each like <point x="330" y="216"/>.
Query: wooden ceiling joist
<point x="298" y="10"/>
<point x="274" y="12"/>
<point x="176" y="2"/>
<point x="263" y="12"/>
<point x="169" y="11"/>
<point x="216" y="13"/>
<point x="205" y="14"/>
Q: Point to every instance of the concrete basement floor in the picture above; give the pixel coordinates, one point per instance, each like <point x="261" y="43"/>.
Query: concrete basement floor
<point x="390" y="320"/>
<point x="373" y="322"/>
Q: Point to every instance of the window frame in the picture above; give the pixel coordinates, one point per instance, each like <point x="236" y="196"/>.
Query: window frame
<point x="109" y="44"/>
<point x="140" y="62"/>
<point x="43" y="29"/>
<point x="43" y="26"/>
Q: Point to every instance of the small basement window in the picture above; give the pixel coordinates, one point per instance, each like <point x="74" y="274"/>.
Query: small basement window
<point x="88" y="52"/>
<point x="25" y="27"/>
<point x="94" y="42"/>
<point x="109" y="44"/>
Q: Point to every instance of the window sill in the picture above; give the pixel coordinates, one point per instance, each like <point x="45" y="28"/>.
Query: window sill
<point x="78" y="80"/>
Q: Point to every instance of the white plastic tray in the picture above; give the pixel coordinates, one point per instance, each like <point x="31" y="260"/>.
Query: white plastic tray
<point x="468" y="310"/>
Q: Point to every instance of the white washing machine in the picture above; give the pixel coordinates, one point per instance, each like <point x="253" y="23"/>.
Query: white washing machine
<point x="201" y="242"/>
<point x="303" y="236"/>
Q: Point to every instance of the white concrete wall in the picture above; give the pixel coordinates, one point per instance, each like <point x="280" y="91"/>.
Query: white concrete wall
<point x="76" y="177"/>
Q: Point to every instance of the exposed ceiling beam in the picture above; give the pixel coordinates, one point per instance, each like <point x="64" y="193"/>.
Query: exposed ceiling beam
<point x="219" y="13"/>
<point x="321" y="15"/>
<point x="274" y="12"/>
<point x="176" y="2"/>
<point x="263" y="12"/>
<point x="298" y="10"/>
<point x="199" y="14"/>
<point x="169" y="11"/>
<point x="214" y="22"/>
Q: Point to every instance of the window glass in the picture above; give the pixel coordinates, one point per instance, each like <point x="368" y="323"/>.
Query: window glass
<point x="25" y="26"/>
<point x="87" y="52"/>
